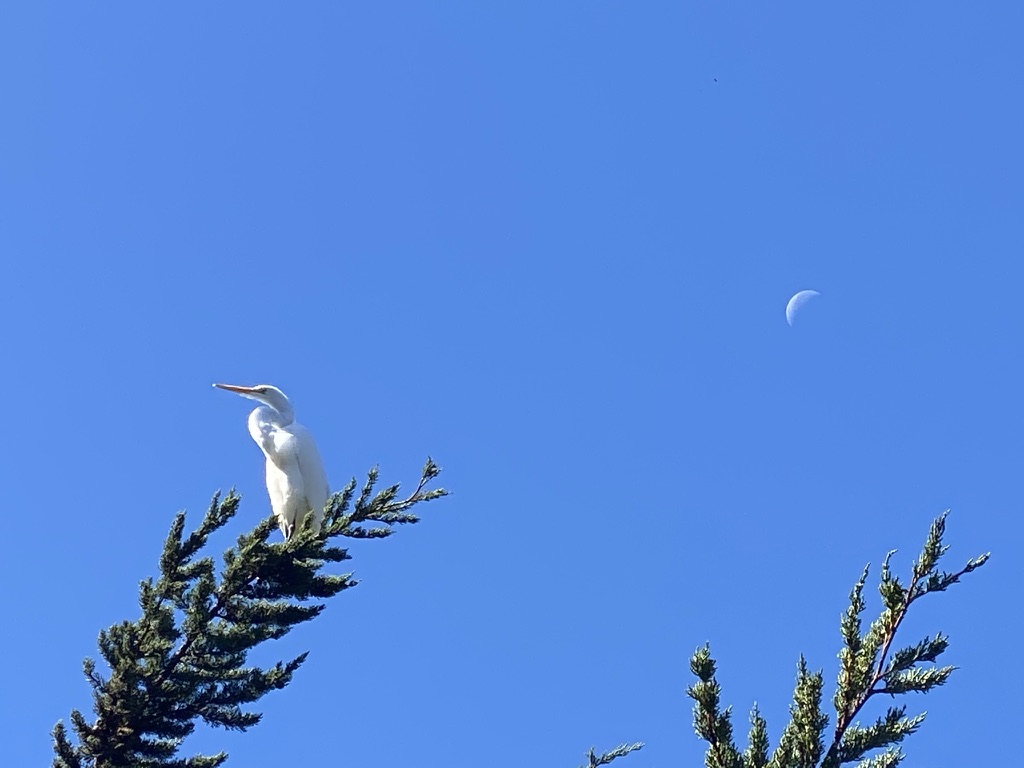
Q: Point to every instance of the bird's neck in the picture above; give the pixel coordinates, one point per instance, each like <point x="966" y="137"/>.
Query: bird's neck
<point x="278" y="418"/>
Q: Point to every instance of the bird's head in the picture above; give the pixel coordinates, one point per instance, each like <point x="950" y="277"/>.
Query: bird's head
<point x="264" y="393"/>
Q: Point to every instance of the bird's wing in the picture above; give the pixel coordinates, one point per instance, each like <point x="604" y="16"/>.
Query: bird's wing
<point x="285" y="481"/>
<point x="280" y="487"/>
<point x="311" y="467"/>
<point x="264" y="431"/>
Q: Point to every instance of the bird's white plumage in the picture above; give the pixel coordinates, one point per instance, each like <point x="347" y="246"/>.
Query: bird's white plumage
<point x="799" y="299"/>
<point x="296" y="480"/>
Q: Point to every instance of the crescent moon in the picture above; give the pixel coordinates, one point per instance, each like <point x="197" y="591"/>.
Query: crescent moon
<point x="798" y="300"/>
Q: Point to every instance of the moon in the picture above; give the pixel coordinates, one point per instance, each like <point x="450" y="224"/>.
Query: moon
<point x="799" y="299"/>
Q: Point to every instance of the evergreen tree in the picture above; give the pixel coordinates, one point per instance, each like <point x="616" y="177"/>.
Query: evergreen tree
<point x="868" y="667"/>
<point x="184" y="660"/>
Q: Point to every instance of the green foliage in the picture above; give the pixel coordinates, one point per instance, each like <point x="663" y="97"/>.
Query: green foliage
<point x="184" y="660"/>
<point x="594" y="760"/>
<point x="801" y="743"/>
<point x="868" y="666"/>
<point x="756" y="753"/>
<point x="711" y="723"/>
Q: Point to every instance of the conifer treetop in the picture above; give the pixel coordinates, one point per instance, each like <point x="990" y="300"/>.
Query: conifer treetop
<point x="868" y="667"/>
<point x="184" y="660"/>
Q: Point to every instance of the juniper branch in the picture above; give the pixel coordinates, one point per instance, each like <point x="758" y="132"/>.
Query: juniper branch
<point x="867" y="669"/>
<point x="756" y="754"/>
<point x="184" y="660"/>
<point x="594" y="760"/>
<point x="868" y="666"/>
<point x="710" y="722"/>
<point x="800" y="745"/>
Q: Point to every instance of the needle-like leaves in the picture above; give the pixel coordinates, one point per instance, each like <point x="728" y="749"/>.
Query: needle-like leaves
<point x="756" y="753"/>
<point x="801" y="743"/>
<point x="184" y="660"/>
<point x="594" y="759"/>
<point x="710" y="722"/>
<point x="868" y="666"/>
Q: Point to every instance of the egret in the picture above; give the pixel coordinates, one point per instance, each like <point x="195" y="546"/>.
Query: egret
<point x="296" y="480"/>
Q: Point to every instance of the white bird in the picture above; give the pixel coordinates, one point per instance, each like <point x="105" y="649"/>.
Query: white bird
<point x="296" y="480"/>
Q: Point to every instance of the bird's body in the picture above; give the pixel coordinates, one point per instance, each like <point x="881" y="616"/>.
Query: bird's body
<point x="296" y="480"/>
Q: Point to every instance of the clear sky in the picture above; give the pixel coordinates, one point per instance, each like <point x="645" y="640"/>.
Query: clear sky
<point x="549" y="244"/>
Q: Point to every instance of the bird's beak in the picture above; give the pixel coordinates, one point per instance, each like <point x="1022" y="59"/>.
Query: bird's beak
<point x="235" y="388"/>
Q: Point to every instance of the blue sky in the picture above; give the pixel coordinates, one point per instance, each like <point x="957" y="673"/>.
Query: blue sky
<point x="549" y="244"/>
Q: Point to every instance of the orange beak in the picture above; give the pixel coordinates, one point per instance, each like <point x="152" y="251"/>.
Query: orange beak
<point x="236" y="388"/>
